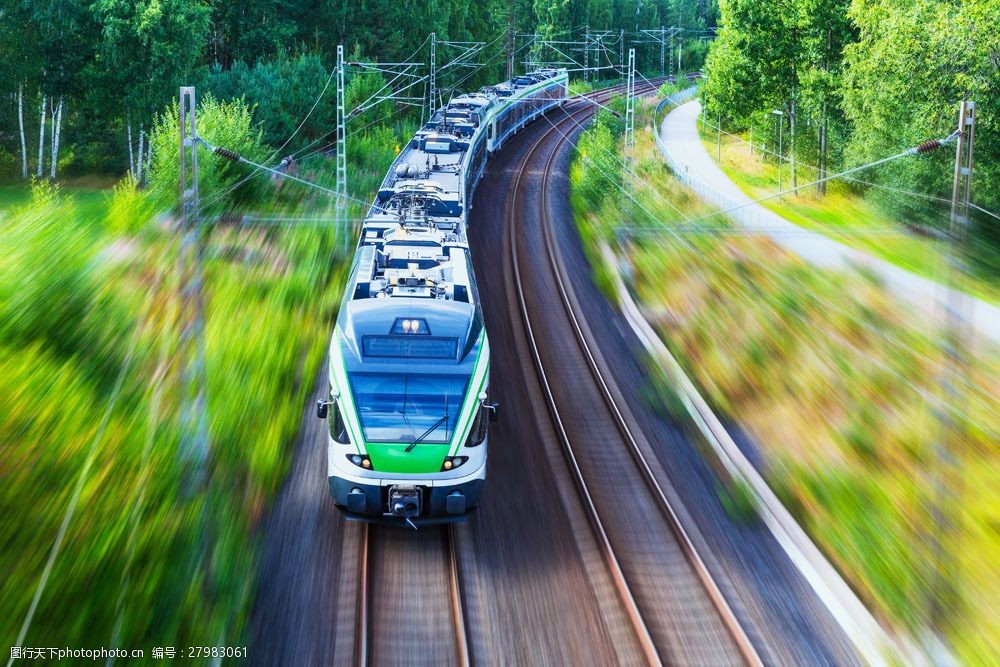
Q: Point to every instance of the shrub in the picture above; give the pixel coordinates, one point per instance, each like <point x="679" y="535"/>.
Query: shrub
<point x="130" y="208"/>
<point x="221" y="182"/>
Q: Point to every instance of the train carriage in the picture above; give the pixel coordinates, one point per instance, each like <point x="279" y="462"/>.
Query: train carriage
<point x="408" y="408"/>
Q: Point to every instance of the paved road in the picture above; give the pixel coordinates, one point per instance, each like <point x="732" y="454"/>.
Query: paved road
<point x="693" y="163"/>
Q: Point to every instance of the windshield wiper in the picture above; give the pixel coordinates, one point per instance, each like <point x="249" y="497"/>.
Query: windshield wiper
<point x="426" y="433"/>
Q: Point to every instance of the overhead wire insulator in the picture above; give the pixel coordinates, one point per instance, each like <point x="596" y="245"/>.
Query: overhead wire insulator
<point x="928" y="146"/>
<point x="226" y="153"/>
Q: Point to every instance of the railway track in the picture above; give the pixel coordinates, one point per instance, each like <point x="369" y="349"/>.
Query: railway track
<point x="403" y="576"/>
<point x="676" y="609"/>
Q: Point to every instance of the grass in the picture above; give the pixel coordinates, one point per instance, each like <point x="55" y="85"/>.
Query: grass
<point x="92" y="307"/>
<point x="86" y="275"/>
<point x="90" y="201"/>
<point x="838" y="386"/>
<point x="842" y="213"/>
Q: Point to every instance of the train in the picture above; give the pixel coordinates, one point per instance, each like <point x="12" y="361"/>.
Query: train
<point x="408" y="409"/>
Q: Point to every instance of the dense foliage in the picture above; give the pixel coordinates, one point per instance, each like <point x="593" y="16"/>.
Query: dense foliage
<point x="91" y="76"/>
<point x="858" y="80"/>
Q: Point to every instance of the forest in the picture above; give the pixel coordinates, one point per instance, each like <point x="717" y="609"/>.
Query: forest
<point x="82" y="81"/>
<point x="851" y="81"/>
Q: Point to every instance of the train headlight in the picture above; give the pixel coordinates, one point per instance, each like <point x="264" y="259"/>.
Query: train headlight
<point x="360" y="460"/>
<point x="452" y="462"/>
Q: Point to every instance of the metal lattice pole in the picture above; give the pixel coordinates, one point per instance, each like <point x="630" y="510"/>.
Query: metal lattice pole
<point x="340" y="210"/>
<point x="191" y="349"/>
<point x="663" y="47"/>
<point x="946" y="475"/>
<point x="621" y="52"/>
<point x="432" y="85"/>
<point x="510" y="53"/>
<point x="673" y="71"/>
<point x="629" y="140"/>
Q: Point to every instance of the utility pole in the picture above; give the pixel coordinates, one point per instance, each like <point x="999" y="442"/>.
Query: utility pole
<point x="586" y="55"/>
<point x="781" y="124"/>
<point x="792" y="121"/>
<point x="340" y="210"/>
<point x="946" y="475"/>
<point x="621" y="51"/>
<point x="510" y="52"/>
<point x="719" y="140"/>
<point x="673" y="31"/>
<point x="191" y="347"/>
<point x="821" y="186"/>
<point x="629" y="140"/>
<point x="433" y="78"/>
<point x="663" y="46"/>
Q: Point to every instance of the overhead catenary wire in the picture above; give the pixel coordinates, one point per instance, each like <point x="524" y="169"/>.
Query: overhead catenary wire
<point x="880" y="186"/>
<point x="236" y="157"/>
<point x="925" y="147"/>
<point x="215" y="196"/>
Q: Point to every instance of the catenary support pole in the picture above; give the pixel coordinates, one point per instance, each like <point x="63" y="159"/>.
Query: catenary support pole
<point x="191" y="352"/>
<point x="340" y="205"/>
<point x="946" y="474"/>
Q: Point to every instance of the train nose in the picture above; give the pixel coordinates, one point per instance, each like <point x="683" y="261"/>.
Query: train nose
<point x="404" y="501"/>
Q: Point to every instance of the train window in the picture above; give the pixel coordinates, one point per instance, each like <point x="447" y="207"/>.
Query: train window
<point x="338" y="427"/>
<point x="478" y="431"/>
<point x="404" y="407"/>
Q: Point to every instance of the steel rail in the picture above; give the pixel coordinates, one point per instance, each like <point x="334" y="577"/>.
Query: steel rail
<point x="455" y="588"/>
<point x="722" y="607"/>
<point x="728" y="618"/>
<point x="361" y="623"/>
<point x="617" y="574"/>
<point x="363" y="639"/>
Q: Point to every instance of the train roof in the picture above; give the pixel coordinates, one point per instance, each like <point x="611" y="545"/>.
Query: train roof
<point x="420" y="334"/>
<point x="413" y="255"/>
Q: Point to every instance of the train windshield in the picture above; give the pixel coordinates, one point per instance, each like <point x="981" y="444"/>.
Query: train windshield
<point x="397" y="407"/>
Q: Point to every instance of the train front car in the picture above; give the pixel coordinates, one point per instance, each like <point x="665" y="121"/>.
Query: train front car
<point x="409" y="360"/>
<point x="409" y="377"/>
<point x="408" y="408"/>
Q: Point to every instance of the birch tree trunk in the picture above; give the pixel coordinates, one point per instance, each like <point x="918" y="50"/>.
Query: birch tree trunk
<point x="131" y="157"/>
<point x="52" y="129"/>
<point x="41" y="140"/>
<point x="20" y="122"/>
<point x="149" y="156"/>
<point x="56" y="128"/>
<point x="142" y="137"/>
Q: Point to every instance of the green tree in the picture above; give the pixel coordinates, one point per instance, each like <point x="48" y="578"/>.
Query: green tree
<point x="914" y="61"/>
<point x="785" y="57"/>
<point x="281" y="93"/>
<point x="148" y="48"/>
<point x="221" y="182"/>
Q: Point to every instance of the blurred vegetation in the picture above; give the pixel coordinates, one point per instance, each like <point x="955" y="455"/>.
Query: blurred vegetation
<point x="859" y="80"/>
<point x="226" y="124"/>
<point x="837" y="383"/>
<point x="91" y="378"/>
<point x="846" y="213"/>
